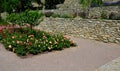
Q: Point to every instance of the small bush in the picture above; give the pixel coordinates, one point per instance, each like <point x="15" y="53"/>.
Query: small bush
<point x="0" y="18"/>
<point x="104" y="15"/>
<point x="27" y="41"/>
<point x="2" y="22"/>
<point x="27" y="17"/>
<point x="114" y="16"/>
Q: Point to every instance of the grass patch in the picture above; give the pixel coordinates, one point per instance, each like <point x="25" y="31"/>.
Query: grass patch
<point x="27" y="41"/>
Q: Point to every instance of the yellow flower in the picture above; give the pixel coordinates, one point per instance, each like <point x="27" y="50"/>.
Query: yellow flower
<point x="31" y="38"/>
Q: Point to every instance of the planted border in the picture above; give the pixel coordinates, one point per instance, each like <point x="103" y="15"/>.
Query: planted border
<point x="26" y="41"/>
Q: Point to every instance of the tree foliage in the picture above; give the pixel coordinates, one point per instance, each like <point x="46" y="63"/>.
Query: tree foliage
<point x="49" y="4"/>
<point x="22" y="5"/>
<point x="14" y="5"/>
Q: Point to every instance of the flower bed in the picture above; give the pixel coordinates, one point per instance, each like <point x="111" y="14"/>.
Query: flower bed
<point x="27" y="41"/>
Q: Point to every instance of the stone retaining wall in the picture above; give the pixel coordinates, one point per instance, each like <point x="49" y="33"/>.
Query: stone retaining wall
<point x="94" y="12"/>
<point x="102" y="30"/>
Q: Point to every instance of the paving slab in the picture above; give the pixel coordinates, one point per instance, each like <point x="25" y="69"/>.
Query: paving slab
<point x="87" y="56"/>
<point x="113" y="65"/>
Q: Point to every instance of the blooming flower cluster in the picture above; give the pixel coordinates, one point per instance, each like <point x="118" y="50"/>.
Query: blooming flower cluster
<point x="34" y="42"/>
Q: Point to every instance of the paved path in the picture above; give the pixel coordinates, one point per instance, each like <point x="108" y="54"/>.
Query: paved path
<point x="88" y="56"/>
<point x="113" y="65"/>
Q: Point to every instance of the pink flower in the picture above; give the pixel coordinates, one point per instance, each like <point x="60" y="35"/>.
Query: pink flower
<point x="13" y="37"/>
<point x="31" y="36"/>
<point x="18" y="42"/>
<point x="44" y="37"/>
<point x="65" y="37"/>
<point x="10" y="46"/>
<point x="29" y="43"/>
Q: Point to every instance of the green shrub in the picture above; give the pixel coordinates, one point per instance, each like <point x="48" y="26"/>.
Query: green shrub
<point x="2" y="22"/>
<point x="0" y="18"/>
<point x="11" y="6"/>
<point x="27" y="17"/>
<point x="104" y="15"/>
<point x="30" y="41"/>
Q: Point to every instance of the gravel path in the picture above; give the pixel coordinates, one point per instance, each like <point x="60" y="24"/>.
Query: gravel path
<point x="87" y="56"/>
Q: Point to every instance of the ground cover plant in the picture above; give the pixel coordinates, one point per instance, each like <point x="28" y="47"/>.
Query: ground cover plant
<point x="26" y="41"/>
